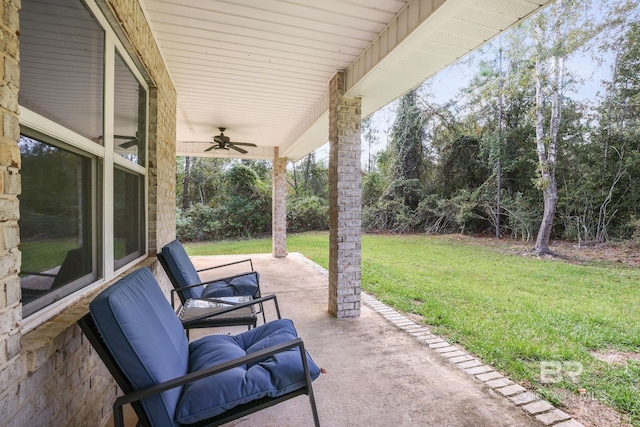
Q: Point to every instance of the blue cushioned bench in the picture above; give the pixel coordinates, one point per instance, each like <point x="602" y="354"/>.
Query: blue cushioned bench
<point x="211" y="381"/>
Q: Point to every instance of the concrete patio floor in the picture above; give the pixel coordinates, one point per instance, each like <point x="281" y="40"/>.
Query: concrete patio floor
<point x="377" y="374"/>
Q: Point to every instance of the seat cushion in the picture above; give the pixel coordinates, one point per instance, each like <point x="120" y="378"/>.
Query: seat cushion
<point x="182" y="269"/>
<point x="275" y="376"/>
<point x="245" y="284"/>
<point x="145" y="337"/>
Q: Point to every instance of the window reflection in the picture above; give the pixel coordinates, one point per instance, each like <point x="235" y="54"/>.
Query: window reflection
<point x="55" y="222"/>
<point x="128" y="194"/>
<point x="129" y="120"/>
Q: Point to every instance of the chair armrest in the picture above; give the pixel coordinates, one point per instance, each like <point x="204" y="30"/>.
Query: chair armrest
<point x="228" y="264"/>
<point x="207" y="372"/>
<point x="235" y="306"/>
<point x="176" y="290"/>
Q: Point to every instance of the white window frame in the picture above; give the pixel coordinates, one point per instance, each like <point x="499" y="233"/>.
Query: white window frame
<point x="109" y="160"/>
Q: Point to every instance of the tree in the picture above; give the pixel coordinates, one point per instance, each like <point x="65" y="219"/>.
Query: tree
<point x="492" y="113"/>
<point x="547" y="145"/>
<point x="370" y="134"/>
<point x="314" y="179"/>
<point x="615" y="192"/>
<point x="550" y="58"/>
<point x="185" y="186"/>
<point x="463" y="165"/>
<point x="406" y="143"/>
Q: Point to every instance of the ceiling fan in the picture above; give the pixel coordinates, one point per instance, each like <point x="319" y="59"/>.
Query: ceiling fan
<point x="223" y="142"/>
<point x="132" y="141"/>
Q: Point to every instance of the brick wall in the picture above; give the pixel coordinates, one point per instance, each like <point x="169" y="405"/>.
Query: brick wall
<point x="344" y="201"/>
<point x="11" y="362"/>
<point x="51" y="375"/>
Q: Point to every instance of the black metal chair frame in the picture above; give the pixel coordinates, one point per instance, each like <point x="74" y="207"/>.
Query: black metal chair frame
<point x="212" y="322"/>
<point x="179" y="288"/>
<point x="133" y="397"/>
<point x="217" y="319"/>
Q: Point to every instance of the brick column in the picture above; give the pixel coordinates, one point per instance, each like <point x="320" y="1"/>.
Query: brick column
<point x="344" y="201"/>
<point x="279" y="206"/>
<point x="11" y="367"/>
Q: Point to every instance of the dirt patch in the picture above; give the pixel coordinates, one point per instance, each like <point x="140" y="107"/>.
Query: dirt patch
<point x="622" y="253"/>
<point x="590" y="412"/>
<point x="414" y="317"/>
<point x="616" y="253"/>
<point x="614" y="357"/>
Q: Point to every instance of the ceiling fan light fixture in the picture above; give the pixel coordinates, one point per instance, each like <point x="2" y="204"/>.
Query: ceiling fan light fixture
<point x="223" y="142"/>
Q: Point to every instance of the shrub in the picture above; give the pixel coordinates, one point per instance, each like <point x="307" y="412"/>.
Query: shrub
<point x="636" y="233"/>
<point x="243" y="209"/>
<point x="198" y="223"/>
<point x="307" y="213"/>
<point x="373" y="186"/>
<point x="388" y="215"/>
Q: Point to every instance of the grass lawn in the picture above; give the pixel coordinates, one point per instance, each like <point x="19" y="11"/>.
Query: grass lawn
<point x="513" y="311"/>
<point x="42" y="255"/>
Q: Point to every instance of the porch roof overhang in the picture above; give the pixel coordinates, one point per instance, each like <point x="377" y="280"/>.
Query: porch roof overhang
<point x="260" y="68"/>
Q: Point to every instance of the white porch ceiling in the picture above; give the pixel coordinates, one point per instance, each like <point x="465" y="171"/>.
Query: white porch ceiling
<point x="260" y="68"/>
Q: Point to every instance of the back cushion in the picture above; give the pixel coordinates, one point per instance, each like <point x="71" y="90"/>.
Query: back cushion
<point x="146" y="338"/>
<point x="242" y="284"/>
<point x="182" y="268"/>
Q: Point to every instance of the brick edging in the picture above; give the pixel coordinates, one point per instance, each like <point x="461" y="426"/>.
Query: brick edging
<point x="519" y="396"/>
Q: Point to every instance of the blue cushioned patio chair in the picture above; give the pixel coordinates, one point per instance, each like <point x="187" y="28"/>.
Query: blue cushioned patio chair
<point x="209" y="382"/>
<point x="188" y="285"/>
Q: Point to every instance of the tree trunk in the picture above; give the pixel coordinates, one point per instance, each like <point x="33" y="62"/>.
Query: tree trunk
<point x="498" y="198"/>
<point x="499" y="165"/>
<point x="550" y="195"/>
<point x="307" y="170"/>
<point x="185" y="184"/>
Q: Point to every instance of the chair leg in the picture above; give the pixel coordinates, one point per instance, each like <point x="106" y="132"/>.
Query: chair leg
<point x="312" y="399"/>
<point x="314" y="410"/>
<point x="264" y="318"/>
<point x="118" y="417"/>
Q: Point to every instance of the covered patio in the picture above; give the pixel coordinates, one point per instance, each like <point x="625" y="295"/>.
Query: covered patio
<point x="284" y="78"/>
<point x="382" y="369"/>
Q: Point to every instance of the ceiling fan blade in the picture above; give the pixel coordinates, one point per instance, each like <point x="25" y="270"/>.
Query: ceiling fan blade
<point x="237" y="149"/>
<point x="248" y="144"/>
<point x="128" y="144"/>
<point x="133" y="140"/>
<point x="195" y="142"/>
<point x="211" y="148"/>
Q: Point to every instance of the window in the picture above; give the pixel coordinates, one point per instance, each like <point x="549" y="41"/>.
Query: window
<point x="56" y="222"/>
<point x="83" y="145"/>
<point x="130" y="114"/>
<point x="128" y="195"/>
<point x="61" y="65"/>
